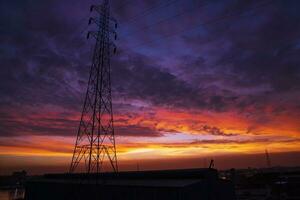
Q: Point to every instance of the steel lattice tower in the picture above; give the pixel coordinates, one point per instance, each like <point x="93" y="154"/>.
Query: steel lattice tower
<point x="95" y="143"/>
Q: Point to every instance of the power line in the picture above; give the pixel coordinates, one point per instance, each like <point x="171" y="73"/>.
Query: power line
<point x="77" y="33"/>
<point x="85" y="27"/>
<point x="166" y="19"/>
<point x="233" y="56"/>
<point x="125" y="3"/>
<point x="205" y="23"/>
<point x="146" y="12"/>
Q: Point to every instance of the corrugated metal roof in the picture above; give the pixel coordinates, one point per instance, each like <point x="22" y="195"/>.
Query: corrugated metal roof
<point x="129" y="182"/>
<point x="153" y="182"/>
<point x="158" y="174"/>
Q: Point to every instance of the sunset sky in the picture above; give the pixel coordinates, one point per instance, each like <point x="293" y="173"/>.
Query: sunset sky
<point x="192" y="81"/>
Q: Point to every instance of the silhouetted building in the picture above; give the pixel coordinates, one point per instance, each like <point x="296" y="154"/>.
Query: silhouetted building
<point x="280" y="183"/>
<point x="186" y="184"/>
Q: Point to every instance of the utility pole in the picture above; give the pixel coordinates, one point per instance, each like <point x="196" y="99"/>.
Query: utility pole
<point x="95" y="143"/>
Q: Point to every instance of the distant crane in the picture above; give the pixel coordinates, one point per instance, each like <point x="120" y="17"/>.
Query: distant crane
<point x="211" y="164"/>
<point x="268" y="160"/>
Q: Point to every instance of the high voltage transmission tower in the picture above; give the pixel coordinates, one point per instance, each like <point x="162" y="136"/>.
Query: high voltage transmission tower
<point x="95" y="143"/>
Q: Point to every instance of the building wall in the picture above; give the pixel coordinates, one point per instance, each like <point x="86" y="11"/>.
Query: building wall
<point x="65" y="191"/>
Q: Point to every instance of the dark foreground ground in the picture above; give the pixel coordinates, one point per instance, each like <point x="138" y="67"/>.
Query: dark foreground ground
<point x="185" y="184"/>
<point x="278" y="183"/>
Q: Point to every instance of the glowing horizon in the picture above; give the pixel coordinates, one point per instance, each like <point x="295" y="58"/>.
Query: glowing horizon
<point x="183" y="88"/>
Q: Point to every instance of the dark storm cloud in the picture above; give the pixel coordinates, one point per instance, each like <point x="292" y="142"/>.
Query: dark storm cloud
<point x="24" y="125"/>
<point x="238" y="63"/>
<point x="261" y="48"/>
<point x="269" y="57"/>
<point x="136" y="131"/>
<point x="35" y="59"/>
<point x="139" y="77"/>
<point x="216" y="131"/>
<point x="44" y="57"/>
<point x="253" y="57"/>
